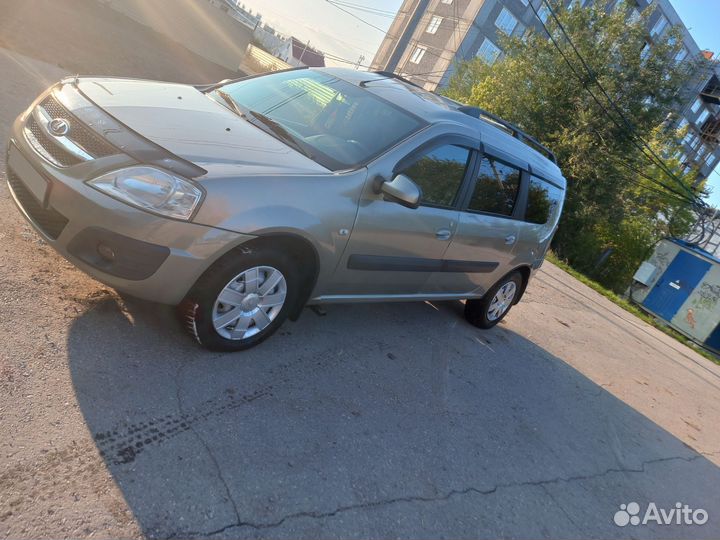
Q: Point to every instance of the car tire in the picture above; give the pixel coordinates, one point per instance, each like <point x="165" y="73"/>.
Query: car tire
<point x="235" y="304"/>
<point x="489" y="310"/>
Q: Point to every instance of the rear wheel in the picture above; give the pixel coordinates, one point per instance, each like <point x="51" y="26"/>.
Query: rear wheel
<point x="241" y="300"/>
<point x="489" y="310"/>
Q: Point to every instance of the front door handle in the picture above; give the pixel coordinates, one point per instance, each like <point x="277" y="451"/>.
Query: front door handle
<point x="510" y="239"/>
<point x="443" y="234"/>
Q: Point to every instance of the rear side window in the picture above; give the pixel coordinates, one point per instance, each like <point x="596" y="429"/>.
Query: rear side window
<point x="439" y="173"/>
<point x="543" y="201"/>
<point x="496" y="189"/>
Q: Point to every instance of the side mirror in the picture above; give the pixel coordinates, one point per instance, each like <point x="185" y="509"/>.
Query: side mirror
<point x="403" y="191"/>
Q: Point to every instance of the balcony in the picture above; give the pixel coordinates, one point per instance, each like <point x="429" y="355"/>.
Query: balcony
<point x="710" y="130"/>
<point x="711" y="92"/>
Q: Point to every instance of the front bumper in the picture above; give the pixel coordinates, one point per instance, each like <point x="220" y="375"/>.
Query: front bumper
<point x="144" y="255"/>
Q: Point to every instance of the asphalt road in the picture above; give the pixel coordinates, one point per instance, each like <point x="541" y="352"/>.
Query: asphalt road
<point x="375" y="421"/>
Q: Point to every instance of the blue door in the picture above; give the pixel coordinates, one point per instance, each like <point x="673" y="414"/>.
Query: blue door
<point x="713" y="340"/>
<point x="676" y="284"/>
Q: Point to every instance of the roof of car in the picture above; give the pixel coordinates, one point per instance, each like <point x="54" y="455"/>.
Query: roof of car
<point x="499" y="137"/>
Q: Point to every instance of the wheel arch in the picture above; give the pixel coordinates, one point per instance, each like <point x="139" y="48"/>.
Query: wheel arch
<point x="303" y="253"/>
<point x="525" y="272"/>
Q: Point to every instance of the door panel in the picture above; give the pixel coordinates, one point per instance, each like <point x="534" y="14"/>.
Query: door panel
<point x="676" y="284"/>
<point x="487" y="234"/>
<point x="393" y="250"/>
<point x="488" y="241"/>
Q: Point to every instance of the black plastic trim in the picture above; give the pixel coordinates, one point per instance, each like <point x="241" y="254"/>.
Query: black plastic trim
<point x="417" y="264"/>
<point x="134" y="259"/>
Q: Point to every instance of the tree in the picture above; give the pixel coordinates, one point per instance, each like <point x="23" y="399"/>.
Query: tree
<point x="619" y="202"/>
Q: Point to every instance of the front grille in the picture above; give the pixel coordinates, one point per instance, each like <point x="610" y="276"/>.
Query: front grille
<point x="48" y="148"/>
<point x="79" y="133"/>
<point x="49" y="220"/>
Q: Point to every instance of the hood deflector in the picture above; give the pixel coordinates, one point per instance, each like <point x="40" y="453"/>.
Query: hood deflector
<point x="121" y="136"/>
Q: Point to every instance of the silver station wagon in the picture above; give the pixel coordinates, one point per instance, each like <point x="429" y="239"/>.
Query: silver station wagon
<point x="243" y="202"/>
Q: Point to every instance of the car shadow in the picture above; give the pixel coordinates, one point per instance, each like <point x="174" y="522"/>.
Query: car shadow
<point x="387" y="420"/>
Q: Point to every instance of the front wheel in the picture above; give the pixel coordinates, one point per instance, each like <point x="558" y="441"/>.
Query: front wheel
<point x="489" y="310"/>
<point x="241" y="300"/>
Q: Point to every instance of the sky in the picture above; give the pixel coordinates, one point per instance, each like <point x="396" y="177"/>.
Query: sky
<point x="335" y="31"/>
<point x="329" y="28"/>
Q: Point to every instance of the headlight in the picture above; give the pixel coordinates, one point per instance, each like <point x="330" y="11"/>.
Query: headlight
<point x="151" y="189"/>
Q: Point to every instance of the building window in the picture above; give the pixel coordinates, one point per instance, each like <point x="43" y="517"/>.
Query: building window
<point x="645" y="52"/>
<point x="696" y="105"/>
<point x="506" y="21"/>
<point x="659" y="26"/>
<point x="680" y="56"/>
<point x="690" y="139"/>
<point x="543" y="13"/>
<point x="703" y="116"/>
<point x="634" y="16"/>
<point x="525" y="2"/>
<point x="446" y="1"/>
<point x="488" y="51"/>
<point x="682" y="124"/>
<point x="417" y="54"/>
<point x="433" y="25"/>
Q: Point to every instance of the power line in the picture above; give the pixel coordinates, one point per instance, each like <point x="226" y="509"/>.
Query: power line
<point x="572" y="68"/>
<point x="364" y="6"/>
<point x="695" y="199"/>
<point x="336" y="4"/>
<point x="365" y="9"/>
<point x="344" y="60"/>
<point x="669" y="192"/>
<point x="593" y="79"/>
<point x="356" y="17"/>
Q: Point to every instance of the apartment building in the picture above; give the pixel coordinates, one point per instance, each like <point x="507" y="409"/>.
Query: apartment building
<point x="428" y="37"/>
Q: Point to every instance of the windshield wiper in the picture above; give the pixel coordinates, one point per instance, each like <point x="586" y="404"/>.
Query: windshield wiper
<point x="276" y="128"/>
<point x="280" y="131"/>
<point x="234" y="106"/>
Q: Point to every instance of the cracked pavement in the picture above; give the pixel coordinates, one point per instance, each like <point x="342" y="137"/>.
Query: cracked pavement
<point x="375" y="421"/>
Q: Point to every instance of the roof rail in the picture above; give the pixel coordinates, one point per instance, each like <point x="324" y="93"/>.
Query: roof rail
<point x="392" y="75"/>
<point x="482" y="114"/>
<point x="388" y="75"/>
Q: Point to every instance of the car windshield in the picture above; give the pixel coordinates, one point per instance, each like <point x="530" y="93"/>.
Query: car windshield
<point x="336" y="123"/>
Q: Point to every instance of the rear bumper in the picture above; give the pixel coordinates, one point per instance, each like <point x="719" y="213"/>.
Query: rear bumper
<point x="135" y="252"/>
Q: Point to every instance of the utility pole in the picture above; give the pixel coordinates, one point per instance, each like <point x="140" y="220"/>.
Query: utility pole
<point x="303" y="53"/>
<point x="360" y="61"/>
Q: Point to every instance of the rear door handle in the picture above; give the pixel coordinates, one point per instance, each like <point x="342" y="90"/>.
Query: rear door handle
<point x="443" y="234"/>
<point x="510" y="239"/>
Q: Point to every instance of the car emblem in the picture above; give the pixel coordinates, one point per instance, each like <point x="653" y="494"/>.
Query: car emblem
<point x="59" y="127"/>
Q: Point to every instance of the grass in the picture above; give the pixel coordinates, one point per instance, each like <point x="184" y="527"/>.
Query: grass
<point x="631" y="308"/>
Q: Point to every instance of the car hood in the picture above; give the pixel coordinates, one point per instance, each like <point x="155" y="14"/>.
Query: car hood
<point x="191" y="125"/>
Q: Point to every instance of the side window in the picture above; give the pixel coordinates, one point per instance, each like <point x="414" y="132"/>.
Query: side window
<point x="496" y="188"/>
<point x="543" y="201"/>
<point x="439" y="173"/>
